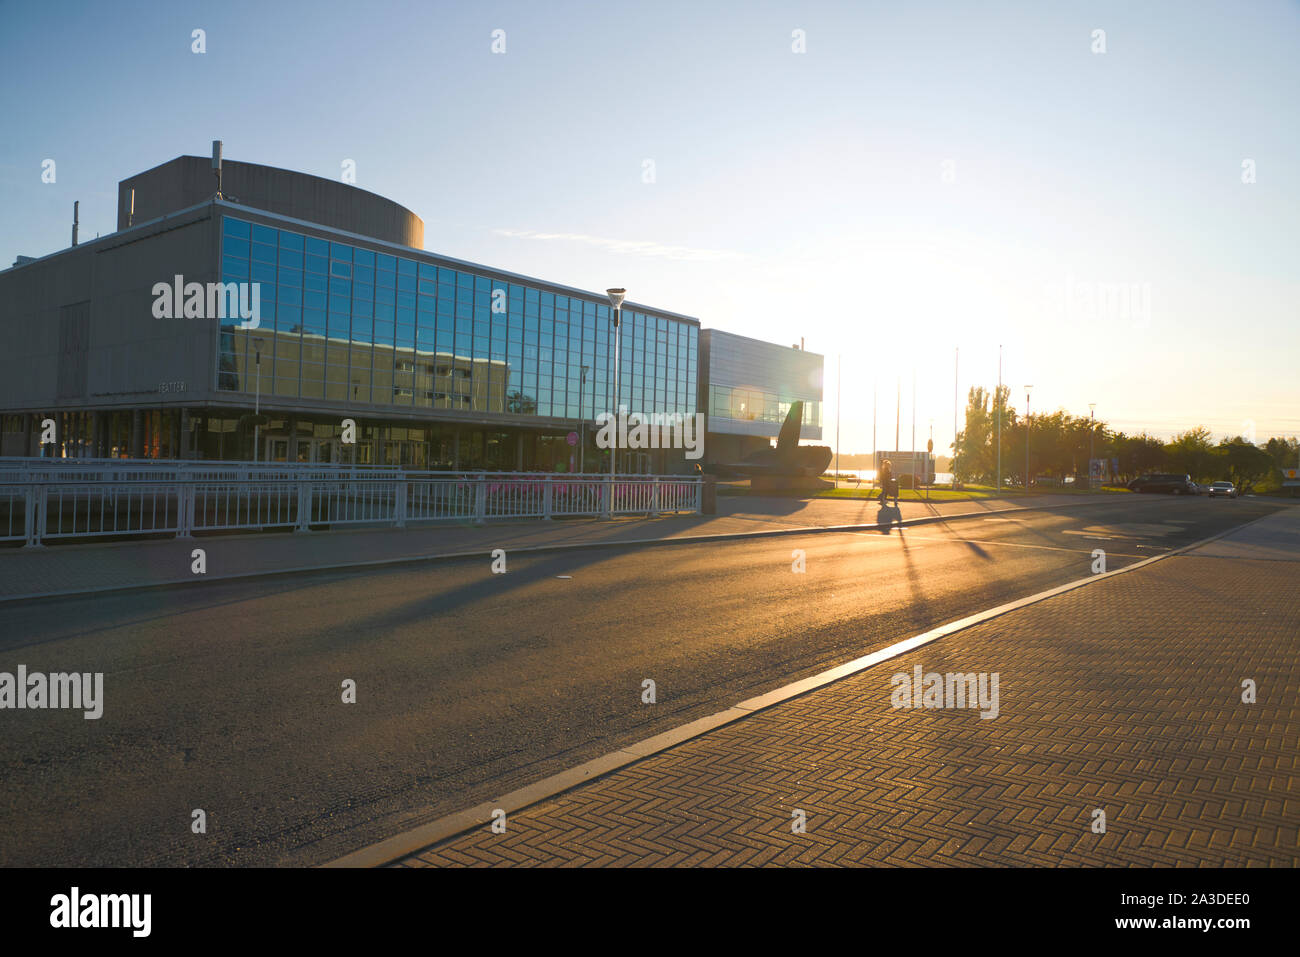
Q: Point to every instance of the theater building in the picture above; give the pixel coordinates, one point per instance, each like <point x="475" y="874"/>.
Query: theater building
<point x="440" y="363"/>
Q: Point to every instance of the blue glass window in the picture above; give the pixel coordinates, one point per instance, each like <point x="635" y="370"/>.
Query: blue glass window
<point x="265" y="234"/>
<point x="235" y="227"/>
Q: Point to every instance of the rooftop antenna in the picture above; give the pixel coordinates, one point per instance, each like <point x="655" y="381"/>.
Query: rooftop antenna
<point x="216" y="165"/>
<point x="76" y="220"/>
<point x="130" y="216"/>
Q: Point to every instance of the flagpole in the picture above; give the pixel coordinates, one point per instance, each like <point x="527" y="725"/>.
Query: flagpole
<point x="839" y="378"/>
<point x="956" y="391"/>
<point x="898" y="411"/>
<point x="998" y="402"/>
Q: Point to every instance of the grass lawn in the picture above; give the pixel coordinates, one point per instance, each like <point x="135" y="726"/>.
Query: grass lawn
<point x="936" y="494"/>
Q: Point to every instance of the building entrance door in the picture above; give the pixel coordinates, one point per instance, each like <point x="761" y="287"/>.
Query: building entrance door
<point x="324" y="450"/>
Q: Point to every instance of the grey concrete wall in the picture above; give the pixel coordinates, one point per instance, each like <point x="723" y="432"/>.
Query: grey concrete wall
<point x="77" y="328"/>
<point x="188" y="180"/>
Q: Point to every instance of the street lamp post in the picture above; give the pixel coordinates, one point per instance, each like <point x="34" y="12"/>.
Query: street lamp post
<point x="1027" y="388"/>
<point x="257" y="401"/>
<point x="616" y="297"/>
<point x="582" y="423"/>
<point x="1092" y="434"/>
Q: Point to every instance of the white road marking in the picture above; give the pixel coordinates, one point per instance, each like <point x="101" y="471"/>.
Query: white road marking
<point x="976" y="541"/>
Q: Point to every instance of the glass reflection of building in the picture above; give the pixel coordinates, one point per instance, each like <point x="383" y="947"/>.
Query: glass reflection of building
<point x="360" y="328"/>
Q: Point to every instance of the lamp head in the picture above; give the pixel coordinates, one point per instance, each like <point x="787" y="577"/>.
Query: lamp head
<point x="616" y="297"/>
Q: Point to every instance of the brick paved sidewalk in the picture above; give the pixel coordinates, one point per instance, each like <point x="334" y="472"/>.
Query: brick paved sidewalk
<point x="72" y="568"/>
<point x="1124" y="695"/>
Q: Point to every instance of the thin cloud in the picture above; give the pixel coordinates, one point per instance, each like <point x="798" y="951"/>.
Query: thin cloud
<point x="628" y="246"/>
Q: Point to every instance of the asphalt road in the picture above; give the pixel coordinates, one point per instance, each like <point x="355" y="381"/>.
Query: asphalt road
<point x="227" y="698"/>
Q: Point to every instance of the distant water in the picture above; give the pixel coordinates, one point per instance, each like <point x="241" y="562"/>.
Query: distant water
<point x="869" y="475"/>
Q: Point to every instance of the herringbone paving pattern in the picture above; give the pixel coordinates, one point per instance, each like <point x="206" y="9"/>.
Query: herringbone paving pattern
<point x="1123" y="696"/>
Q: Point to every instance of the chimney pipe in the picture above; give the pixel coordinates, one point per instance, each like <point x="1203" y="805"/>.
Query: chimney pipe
<point x="76" y="220"/>
<point x="216" y="164"/>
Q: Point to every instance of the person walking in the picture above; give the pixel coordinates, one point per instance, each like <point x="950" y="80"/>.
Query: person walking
<point x="887" y="482"/>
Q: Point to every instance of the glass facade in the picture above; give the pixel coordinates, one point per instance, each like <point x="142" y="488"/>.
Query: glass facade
<point x="753" y="405"/>
<point x="351" y="324"/>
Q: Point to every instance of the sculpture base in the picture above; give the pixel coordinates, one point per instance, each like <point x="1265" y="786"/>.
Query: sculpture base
<point x="788" y="483"/>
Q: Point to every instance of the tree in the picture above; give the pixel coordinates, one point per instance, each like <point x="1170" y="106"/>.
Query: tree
<point x="1191" y="452"/>
<point x="1246" y="463"/>
<point x="1137" y="454"/>
<point x="1285" y="453"/>
<point x="975" y="449"/>
<point x="521" y="403"/>
<point x="971" y="448"/>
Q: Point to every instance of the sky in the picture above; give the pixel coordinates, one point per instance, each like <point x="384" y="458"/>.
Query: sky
<point x="921" y="180"/>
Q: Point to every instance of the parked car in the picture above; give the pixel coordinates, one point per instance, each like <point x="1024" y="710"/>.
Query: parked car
<point x="1164" y="482"/>
<point x="1223" y="488"/>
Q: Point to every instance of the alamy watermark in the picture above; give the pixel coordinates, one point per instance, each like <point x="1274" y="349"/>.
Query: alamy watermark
<point x="655" y="430"/>
<point x="951" y="690"/>
<point x="129" y="911"/>
<point x="1078" y="300"/>
<point x="37" y="690"/>
<point x="214" y="300"/>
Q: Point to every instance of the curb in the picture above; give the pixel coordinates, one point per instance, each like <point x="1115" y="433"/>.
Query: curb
<point x="559" y="547"/>
<point x="461" y="822"/>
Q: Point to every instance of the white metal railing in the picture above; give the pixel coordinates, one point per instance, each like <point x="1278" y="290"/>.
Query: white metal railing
<point x="55" y="503"/>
